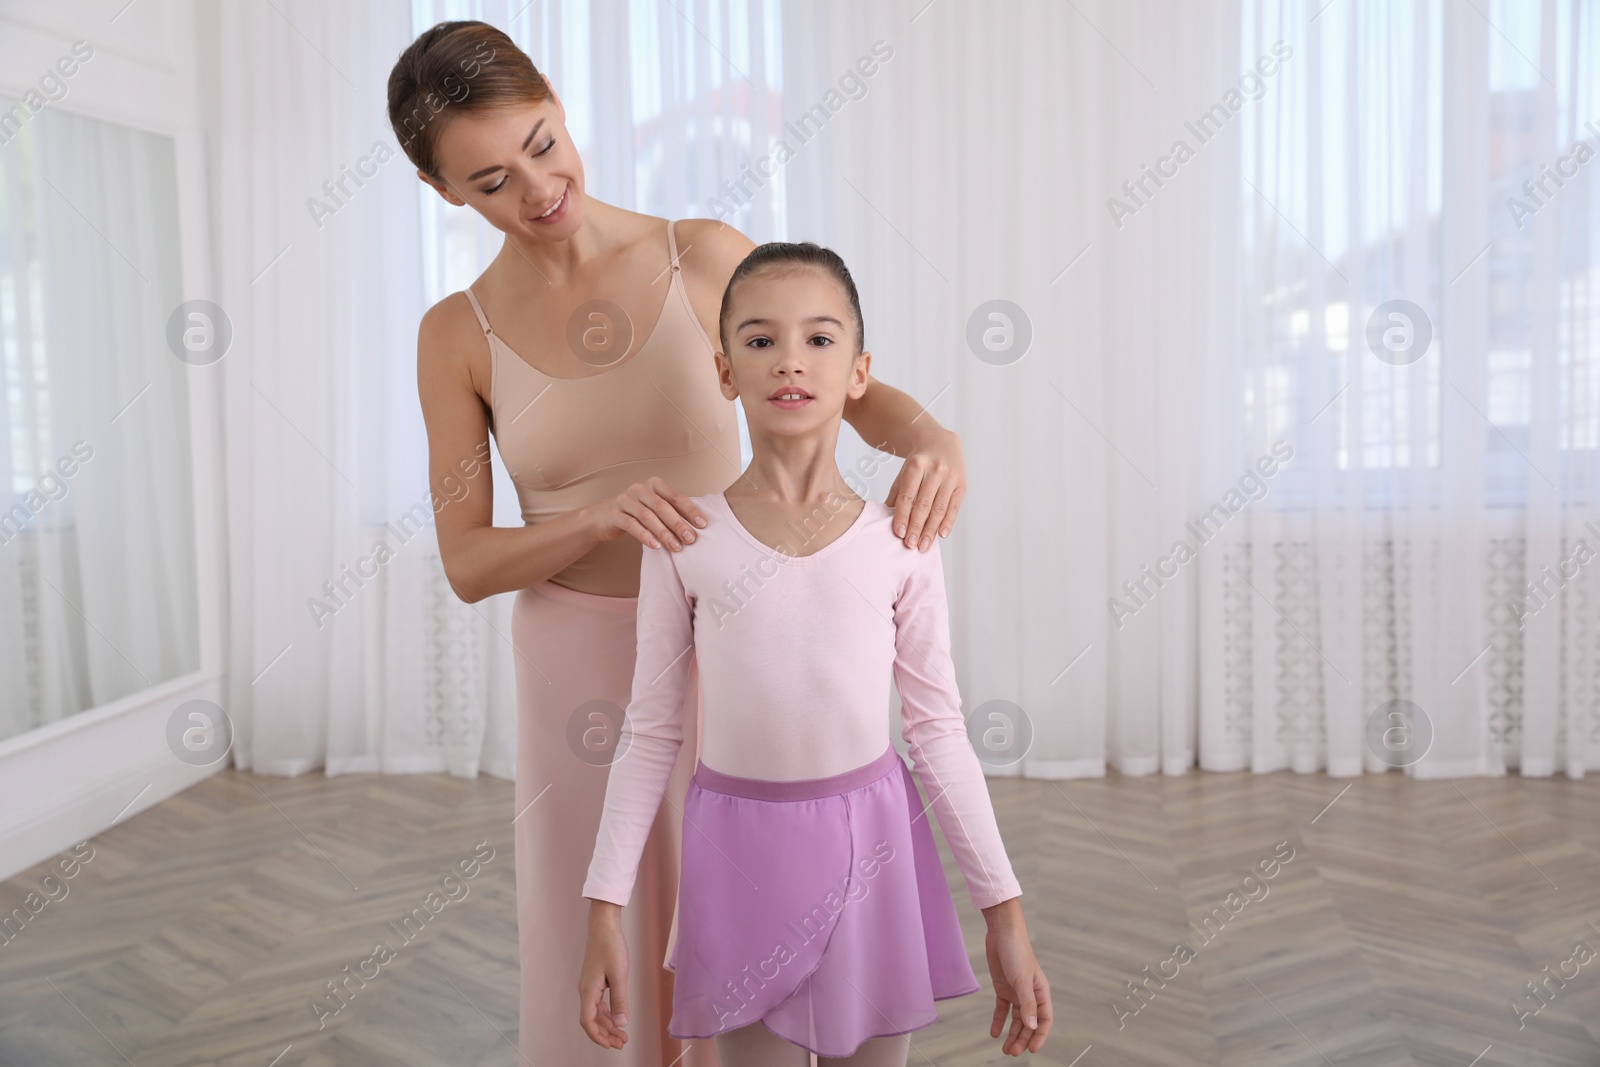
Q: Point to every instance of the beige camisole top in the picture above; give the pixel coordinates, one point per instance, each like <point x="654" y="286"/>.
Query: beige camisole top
<point x="656" y="410"/>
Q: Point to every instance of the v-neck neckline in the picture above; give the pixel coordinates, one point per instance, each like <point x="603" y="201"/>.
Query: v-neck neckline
<point x="845" y="535"/>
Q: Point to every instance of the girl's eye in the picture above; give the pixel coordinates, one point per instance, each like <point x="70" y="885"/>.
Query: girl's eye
<point x="760" y="342"/>
<point x="826" y="340"/>
<point x="549" y="146"/>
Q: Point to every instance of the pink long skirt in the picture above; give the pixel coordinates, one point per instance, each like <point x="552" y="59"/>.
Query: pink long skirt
<point x="574" y="671"/>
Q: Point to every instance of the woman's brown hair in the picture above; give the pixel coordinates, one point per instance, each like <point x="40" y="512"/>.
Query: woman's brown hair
<point x="466" y="66"/>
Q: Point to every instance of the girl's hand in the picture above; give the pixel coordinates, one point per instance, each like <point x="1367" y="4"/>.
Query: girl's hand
<point x="927" y="492"/>
<point x="1019" y="982"/>
<point x="651" y="510"/>
<point x="605" y="966"/>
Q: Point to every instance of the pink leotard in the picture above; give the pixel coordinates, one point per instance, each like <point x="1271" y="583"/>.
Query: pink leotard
<point x="795" y="651"/>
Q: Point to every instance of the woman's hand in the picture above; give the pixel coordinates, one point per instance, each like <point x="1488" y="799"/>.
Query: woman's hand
<point x="651" y="510"/>
<point x="605" y="966"/>
<point x="1019" y="982"/>
<point x="927" y="492"/>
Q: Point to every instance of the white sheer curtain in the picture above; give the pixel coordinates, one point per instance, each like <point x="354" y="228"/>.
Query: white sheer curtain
<point x="97" y="580"/>
<point x="1430" y="489"/>
<point x="1184" y="312"/>
<point x="317" y="267"/>
<point x="1193" y="309"/>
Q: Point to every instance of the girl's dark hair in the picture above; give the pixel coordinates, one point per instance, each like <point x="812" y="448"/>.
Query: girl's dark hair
<point x="776" y="254"/>
<point x="456" y="68"/>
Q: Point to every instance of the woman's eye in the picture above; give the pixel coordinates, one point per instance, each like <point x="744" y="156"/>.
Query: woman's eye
<point x="549" y="147"/>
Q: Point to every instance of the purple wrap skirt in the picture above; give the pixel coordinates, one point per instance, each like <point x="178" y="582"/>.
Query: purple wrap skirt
<point x="817" y="906"/>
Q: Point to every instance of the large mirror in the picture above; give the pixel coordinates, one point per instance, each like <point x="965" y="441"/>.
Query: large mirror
<point x="98" y="592"/>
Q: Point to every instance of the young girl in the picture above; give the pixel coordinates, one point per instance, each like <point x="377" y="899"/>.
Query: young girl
<point x="813" y="909"/>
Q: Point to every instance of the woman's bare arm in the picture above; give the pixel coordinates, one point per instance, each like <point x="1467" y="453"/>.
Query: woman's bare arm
<point x="481" y="559"/>
<point x="891" y="420"/>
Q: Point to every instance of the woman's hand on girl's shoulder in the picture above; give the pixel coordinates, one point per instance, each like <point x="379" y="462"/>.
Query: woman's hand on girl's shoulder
<point x="651" y="510"/>
<point x="927" y="493"/>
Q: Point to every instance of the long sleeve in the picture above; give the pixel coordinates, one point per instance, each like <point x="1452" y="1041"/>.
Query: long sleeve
<point x="933" y="727"/>
<point x="652" y="729"/>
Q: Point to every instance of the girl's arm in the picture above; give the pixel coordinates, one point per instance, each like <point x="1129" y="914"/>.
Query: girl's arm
<point x="652" y="730"/>
<point x="933" y="727"/>
<point x="652" y="734"/>
<point x="930" y="710"/>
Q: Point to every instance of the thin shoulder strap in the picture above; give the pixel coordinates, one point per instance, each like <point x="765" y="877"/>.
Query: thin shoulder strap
<point x="672" y="244"/>
<point x="477" y="309"/>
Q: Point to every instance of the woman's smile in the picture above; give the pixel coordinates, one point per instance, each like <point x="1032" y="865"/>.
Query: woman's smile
<point x="557" y="211"/>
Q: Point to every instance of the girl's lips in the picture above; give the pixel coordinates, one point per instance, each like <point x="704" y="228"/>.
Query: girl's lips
<point x="791" y="405"/>
<point x="560" y="211"/>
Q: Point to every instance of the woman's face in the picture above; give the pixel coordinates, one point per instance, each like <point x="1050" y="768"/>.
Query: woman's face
<point x="513" y="165"/>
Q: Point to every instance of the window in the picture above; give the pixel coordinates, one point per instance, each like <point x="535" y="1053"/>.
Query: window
<point x="1375" y="214"/>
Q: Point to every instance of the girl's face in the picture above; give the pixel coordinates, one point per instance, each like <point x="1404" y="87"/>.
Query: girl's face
<point x="514" y="165"/>
<point x="792" y="352"/>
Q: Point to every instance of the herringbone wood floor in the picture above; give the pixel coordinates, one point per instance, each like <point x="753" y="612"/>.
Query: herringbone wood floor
<point x="1401" y="932"/>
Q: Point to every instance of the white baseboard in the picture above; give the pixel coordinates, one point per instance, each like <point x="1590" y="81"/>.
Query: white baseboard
<point x="1061" y="770"/>
<point x="68" y="785"/>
